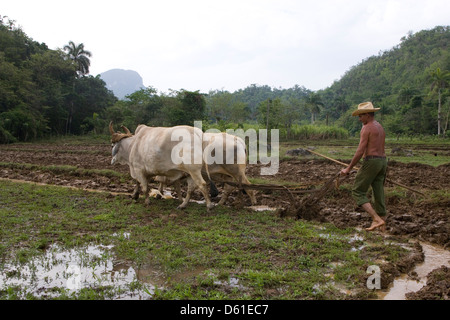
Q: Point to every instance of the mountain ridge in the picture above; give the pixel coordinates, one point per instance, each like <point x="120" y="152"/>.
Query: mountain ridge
<point x="122" y="82"/>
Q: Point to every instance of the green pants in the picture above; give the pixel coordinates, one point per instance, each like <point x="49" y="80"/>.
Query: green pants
<point x="371" y="174"/>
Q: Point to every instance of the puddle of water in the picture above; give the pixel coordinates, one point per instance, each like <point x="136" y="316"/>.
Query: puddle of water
<point x="73" y="270"/>
<point x="435" y="257"/>
<point x="261" y="208"/>
<point x="231" y="283"/>
<point x="125" y="235"/>
<point x="352" y="239"/>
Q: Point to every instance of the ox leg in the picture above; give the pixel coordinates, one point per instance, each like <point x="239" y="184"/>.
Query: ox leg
<point x="163" y="182"/>
<point x="201" y="184"/>
<point x="146" y="195"/>
<point x="204" y="190"/>
<point x="192" y="185"/>
<point x="136" y="191"/>
<point x="227" y="189"/>
<point x="250" y="192"/>
<point x="191" y="188"/>
<point x="177" y="185"/>
<point x="160" y="190"/>
<point x="142" y="180"/>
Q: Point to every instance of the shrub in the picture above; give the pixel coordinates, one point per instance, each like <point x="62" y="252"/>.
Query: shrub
<point x="310" y="132"/>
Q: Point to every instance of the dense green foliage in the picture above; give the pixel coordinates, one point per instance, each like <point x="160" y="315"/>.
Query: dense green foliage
<point x="404" y="81"/>
<point x="46" y="92"/>
<point x="42" y="91"/>
<point x="147" y="107"/>
<point x="409" y="82"/>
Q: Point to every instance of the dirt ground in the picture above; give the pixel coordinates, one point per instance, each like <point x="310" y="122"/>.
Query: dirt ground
<point x="437" y="288"/>
<point x="409" y="214"/>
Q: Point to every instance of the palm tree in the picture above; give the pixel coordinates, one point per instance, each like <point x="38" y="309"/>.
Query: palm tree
<point x="440" y="81"/>
<point x="314" y="101"/>
<point x="406" y="94"/>
<point x="79" y="56"/>
<point x="340" y="104"/>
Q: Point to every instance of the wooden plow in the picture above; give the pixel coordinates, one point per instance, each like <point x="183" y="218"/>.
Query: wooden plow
<point x="305" y="207"/>
<point x="356" y="168"/>
<point x="308" y="206"/>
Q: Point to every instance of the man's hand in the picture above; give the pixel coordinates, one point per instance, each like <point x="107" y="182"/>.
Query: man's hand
<point x="345" y="171"/>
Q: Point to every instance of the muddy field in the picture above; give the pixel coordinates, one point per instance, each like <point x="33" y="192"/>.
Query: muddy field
<point x="409" y="214"/>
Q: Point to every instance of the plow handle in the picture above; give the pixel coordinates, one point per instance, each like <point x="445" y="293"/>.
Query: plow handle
<point x="345" y="164"/>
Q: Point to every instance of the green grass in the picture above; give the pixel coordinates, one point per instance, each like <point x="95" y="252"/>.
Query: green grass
<point x="88" y="139"/>
<point x="197" y="254"/>
<point x="433" y="154"/>
<point x="229" y="253"/>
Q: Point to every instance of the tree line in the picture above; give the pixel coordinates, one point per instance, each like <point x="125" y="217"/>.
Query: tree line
<point x="410" y="83"/>
<point x="47" y="92"/>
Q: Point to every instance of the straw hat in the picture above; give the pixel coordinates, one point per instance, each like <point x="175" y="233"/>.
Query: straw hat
<point x="365" y="107"/>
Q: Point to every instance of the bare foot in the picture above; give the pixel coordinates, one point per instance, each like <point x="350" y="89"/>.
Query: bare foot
<point x="377" y="224"/>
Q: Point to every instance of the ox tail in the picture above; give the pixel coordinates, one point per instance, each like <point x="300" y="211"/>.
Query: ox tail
<point x="205" y="158"/>
<point x="213" y="191"/>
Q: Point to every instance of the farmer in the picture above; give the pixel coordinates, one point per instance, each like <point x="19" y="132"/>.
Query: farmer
<point x="373" y="170"/>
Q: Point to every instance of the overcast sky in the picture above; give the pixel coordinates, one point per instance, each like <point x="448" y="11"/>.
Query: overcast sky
<point x="226" y="44"/>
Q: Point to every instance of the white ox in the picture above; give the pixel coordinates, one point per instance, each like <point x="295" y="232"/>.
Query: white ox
<point x="149" y="152"/>
<point x="225" y="155"/>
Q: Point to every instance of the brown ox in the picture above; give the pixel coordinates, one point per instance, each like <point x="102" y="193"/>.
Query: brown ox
<point x="170" y="152"/>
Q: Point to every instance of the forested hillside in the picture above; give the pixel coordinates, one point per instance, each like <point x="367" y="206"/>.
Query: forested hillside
<point x="407" y="82"/>
<point x="47" y="92"/>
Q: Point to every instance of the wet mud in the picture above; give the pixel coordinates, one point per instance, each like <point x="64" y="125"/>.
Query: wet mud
<point x="410" y="215"/>
<point x="429" y="280"/>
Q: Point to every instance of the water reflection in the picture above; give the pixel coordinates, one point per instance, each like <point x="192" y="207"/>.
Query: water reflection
<point x="71" y="270"/>
<point x="435" y="257"/>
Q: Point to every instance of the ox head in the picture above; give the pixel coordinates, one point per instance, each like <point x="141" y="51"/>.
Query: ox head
<point x="116" y="138"/>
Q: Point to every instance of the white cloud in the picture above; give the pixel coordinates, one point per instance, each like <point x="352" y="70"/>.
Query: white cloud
<point x="212" y="44"/>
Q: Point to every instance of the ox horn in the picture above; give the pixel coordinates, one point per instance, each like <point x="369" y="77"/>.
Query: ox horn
<point x="117" y="136"/>
<point x="126" y="130"/>
<point x="111" y="129"/>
